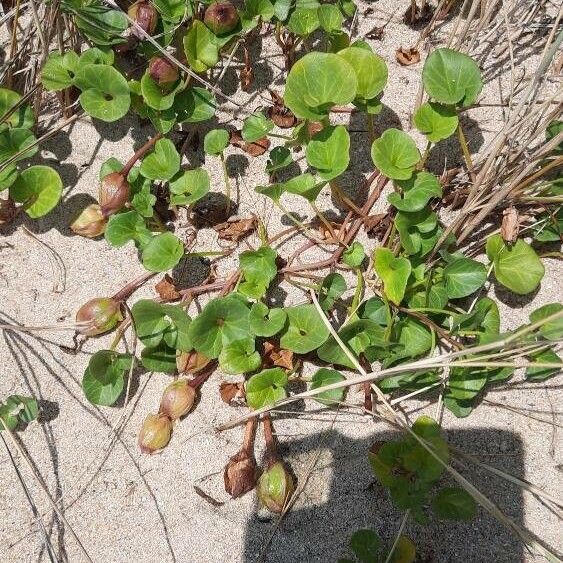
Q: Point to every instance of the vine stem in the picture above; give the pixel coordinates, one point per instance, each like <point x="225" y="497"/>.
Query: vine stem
<point x="128" y="289"/>
<point x="139" y="154"/>
<point x="371" y="128"/>
<point x="249" y="436"/>
<point x="323" y="220"/>
<point x="200" y="379"/>
<point x="465" y="150"/>
<point x="271" y="448"/>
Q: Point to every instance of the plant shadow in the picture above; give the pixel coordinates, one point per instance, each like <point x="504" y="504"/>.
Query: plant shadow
<point x="343" y="496"/>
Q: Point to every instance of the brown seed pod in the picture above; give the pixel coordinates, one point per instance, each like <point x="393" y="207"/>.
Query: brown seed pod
<point x="221" y="17"/>
<point x="90" y="223"/>
<point x="114" y="193"/>
<point x="145" y="16"/>
<point x="98" y="315"/>
<point x="155" y="433"/>
<point x="177" y="399"/>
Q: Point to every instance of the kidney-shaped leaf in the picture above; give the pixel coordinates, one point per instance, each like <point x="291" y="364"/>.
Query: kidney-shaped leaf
<point x="239" y="356"/>
<point x="200" y="47"/>
<point x="324" y="377"/>
<point x="417" y="192"/>
<point x="463" y="277"/>
<point x="450" y="77"/>
<point x="22" y="117"/>
<point x="189" y="187"/>
<point x="265" y="388"/>
<point x="329" y="151"/>
<point x="162" y="163"/>
<point x="436" y="121"/>
<point x="370" y="69"/>
<point x="453" y="503"/>
<point x="394" y="272"/>
<point x="395" y="154"/>
<point x="305" y="330"/>
<point x="266" y="322"/>
<point x="39" y="188"/>
<point x="162" y="252"/>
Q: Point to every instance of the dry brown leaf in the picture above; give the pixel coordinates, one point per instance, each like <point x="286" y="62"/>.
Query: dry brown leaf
<point x="376" y="33"/>
<point x="232" y="392"/>
<point x="510" y="225"/>
<point x="236" y="229"/>
<point x="246" y="78"/>
<point x="191" y="362"/>
<point x="412" y="17"/>
<point x="166" y="289"/>
<point x="408" y="56"/>
<point x="279" y="113"/>
<point x="276" y="356"/>
<point x="257" y="148"/>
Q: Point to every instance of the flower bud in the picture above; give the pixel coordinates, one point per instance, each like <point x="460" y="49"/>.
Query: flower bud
<point x="155" y="433"/>
<point x="191" y="362"/>
<point x="145" y="16"/>
<point x="114" y="193"/>
<point x="240" y="474"/>
<point x="221" y="17"/>
<point x="90" y="223"/>
<point x="98" y="316"/>
<point x="178" y="399"/>
<point x="162" y="71"/>
<point x="275" y="486"/>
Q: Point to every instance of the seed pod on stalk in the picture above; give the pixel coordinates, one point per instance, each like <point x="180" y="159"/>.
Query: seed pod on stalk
<point x="162" y="71"/>
<point x="177" y="399"/>
<point x="145" y="16"/>
<point x="98" y="315"/>
<point x="221" y="17"/>
<point x="114" y="193"/>
<point x="91" y="223"/>
<point x="155" y="433"/>
<point x="241" y="471"/>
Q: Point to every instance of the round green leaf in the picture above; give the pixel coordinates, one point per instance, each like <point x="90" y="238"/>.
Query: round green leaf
<point x="162" y="252"/>
<point x="59" y="71"/>
<point x="354" y="255"/>
<point x="12" y="141"/>
<point x="366" y="545"/>
<point x="189" y="187"/>
<point x="450" y="77"/>
<point x="266" y="322"/>
<point x="194" y="105"/>
<point x="394" y="272"/>
<point x="200" y="47"/>
<point x="329" y="151"/>
<point x="303" y="185"/>
<point x="324" y="377"/>
<point x="216" y="141"/>
<point x="541" y="373"/>
<point x="465" y="383"/>
<point x="123" y="227"/>
<point x="160" y="358"/>
<point x="317" y="82"/>
<point x="303" y="21"/>
<point x="96" y="56"/>
<point x="223" y="320"/>
<point x="8" y="176"/>
<point x="552" y="330"/>
<point x="39" y="188"/>
<point x="332" y="288"/>
<point x="517" y="266"/>
<point x="104" y="377"/>
<point x="280" y="157"/>
<point x="239" y="356"/>
<point x="436" y="121"/>
<point x="153" y="94"/>
<point x="453" y="503"/>
<point x="105" y="92"/>
<point x="417" y="192"/>
<point x="259" y="266"/>
<point x="395" y="154"/>
<point x="371" y="71"/>
<point x="463" y="277"/>
<point x="162" y="163"/>
<point x="255" y="127"/>
<point x="265" y="388"/>
<point x="305" y="331"/>
<point x="330" y="17"/>
<point x="23" y="117"/>
<point x="24" y="409"/>
<point x="98" y="393"/>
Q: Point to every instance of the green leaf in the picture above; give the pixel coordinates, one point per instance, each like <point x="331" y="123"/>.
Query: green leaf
<point x="413" y="229"/>
<point x="450" y="77"/>
<point x="255" y="127"/>
<point x="394" y="272"/>
<point x="23" y="409"/>
<point x="459" y="407"/>
<point x="552" y="330"/>
<point x="39" y="188"/>
<point x="194" y="105"/>
<point x="216" y="141"/>
<point x="105" y="92"/>
<point x="123" y="227"/>
<point x="305" y="331"/>
<point x="330" y="18"/>
<point x="413" y="339"/>
<point x="366" y="546"/>
<point x="463" y="277"/>
<point x="357" y="336"/>
<point x="162" y="252"/>
<point x="370" y="69"/>
<point x="303" y="185"/>
<point x="173" y="10"/>
<point x="259" y="269"/>
<point x="162" y="163"/>
<point x="96" y="56"/>
<point x="453" y="503"/>
<point x="542" y="373"/>
<point x="8" y="176"/>
<point x="155" y="96"/>
<point x="23" y="117"/>
<point x="273" y="191"/>
<point x="332" y="288"/>
<point x="395" y="154"/>
<point x="329" y="151"/>
<point x="465" y="383"/>
<point x="435" y="298"/>
<point x="417" y="192"/>
<point x="317" y="82"/>
<point x="143" y="201"/>
<point x="266" y="322"/>
<point x="223" y="320"/>
<point x="160" y="358"/>
<point x="354" y="255"/>
<point x="189" y="187"/>
<point x="13" y="141"/>
<point x="59" y="71"/>
<point x="239" y="356"/>
<point x="551" y="131"/>
<point x="517" y="267"/>
<point x="103" y="379"/>
<point x="279" y="158"/>
<point x="404" y="552"/>
<point x="102" y="25"/>
<point x="436" y="121"/>
<point x="324" y="377"/>
<point x="265" y="388"/>
<point x="200" y="47"/>
<point x="303" y="21"/>
<point x="375" y="310"/>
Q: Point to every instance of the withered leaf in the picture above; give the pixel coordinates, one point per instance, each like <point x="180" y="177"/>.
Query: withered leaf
<point x="279" y="113"/>
<point x="236" y="229"/>
<point x="276" y="356"/>
<point x="408" y="56"/>
<point x="416" y="15"/>
<point x="257" y="148"/>
<point x="191" y="362"/>
<point x="166" y="289"/>
<point x="510" y="225"/>
<point x="231" y="392"/>
<point x="246" y="78"/>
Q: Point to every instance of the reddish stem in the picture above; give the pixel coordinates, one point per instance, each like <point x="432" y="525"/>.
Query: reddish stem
<point x="249" y="436"/>
<point x="200" y="379"/>
<point x="139" y="154"/>
<point x="271" y="448"/>
<point x="126" y="291"/>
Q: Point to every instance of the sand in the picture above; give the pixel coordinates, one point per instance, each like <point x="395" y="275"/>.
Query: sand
<point x="125" y="506"/>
